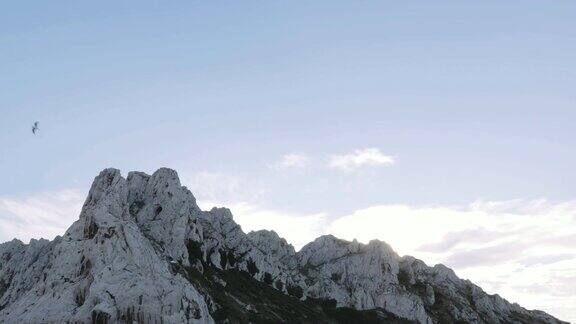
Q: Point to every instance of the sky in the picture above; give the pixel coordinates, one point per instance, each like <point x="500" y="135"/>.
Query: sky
<point x="444" y="128"/>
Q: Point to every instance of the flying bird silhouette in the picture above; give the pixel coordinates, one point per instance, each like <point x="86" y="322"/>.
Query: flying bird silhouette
<point x="35" y="128"/>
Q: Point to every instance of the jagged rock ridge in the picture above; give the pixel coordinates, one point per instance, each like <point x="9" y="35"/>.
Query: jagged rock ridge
<point x="142" y="251"/>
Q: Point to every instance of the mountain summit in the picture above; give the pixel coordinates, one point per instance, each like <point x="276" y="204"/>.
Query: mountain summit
<point x="143" y="251"/>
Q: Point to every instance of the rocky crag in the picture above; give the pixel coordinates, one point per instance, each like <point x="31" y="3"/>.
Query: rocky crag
<point x="142" y="251"/>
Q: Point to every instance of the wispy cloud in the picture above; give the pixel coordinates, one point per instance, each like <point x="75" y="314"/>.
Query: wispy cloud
<point x="443" y="232"/>
<point x="360" y="158"/>
<point x="208" y="185"/>
<point x="41" y="215"/>
<point x="292" y="160"/>
<point x="221" y="187"/>
<point x="297" y="229"/>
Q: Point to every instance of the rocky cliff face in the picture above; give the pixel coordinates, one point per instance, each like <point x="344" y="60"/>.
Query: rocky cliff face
<point x="142" y="251"/>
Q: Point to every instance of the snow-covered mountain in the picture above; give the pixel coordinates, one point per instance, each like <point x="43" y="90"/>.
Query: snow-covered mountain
<point x="142" y="251"/>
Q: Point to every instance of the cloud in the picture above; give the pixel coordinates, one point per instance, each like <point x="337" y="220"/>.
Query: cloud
<point x="297" y="229"/>
<point x="444" y="233"/>
<point x="292" y="160"/>
<point x="453" y="239"/>
<point x="207" y="185"/>
<point x="360" y="158"/>
<point x="547" y="259"/>
<point x="490" y="255"/>
<point x="557" y="285"/>
<point x="41" y="215"/>
<point x="224" y="188"/>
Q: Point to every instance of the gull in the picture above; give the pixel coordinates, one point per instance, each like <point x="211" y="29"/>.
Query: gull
<point x="35" y="127"/>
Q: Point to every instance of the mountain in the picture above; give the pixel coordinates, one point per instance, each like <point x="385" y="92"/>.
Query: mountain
<point x="143" y="251"/>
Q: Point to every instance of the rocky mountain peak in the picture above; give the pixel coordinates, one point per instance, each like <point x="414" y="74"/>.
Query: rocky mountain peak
<point x="143" y="251"/>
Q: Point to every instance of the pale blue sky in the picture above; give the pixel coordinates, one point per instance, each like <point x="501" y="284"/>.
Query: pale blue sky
<point x="475" y="102"/>
<point x="475" y="99"/>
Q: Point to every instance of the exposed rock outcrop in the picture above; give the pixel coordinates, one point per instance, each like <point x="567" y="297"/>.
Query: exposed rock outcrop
<point x="113" y="264"/>
<point x="142" y="251"/>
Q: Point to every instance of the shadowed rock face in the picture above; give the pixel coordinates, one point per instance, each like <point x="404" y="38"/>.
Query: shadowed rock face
<point x="143" y="251"/>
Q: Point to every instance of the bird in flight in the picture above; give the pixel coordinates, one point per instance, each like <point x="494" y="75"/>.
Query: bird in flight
<point x="35" y="127"/>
